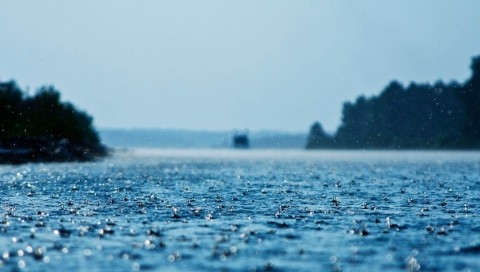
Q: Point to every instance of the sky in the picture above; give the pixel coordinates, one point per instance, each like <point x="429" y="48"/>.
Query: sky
<point x="223" y="65"/>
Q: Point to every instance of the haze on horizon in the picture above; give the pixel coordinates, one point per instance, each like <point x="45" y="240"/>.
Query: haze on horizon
<point x="217" y="65"/>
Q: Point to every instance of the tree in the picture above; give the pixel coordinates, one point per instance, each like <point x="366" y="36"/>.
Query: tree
<point x="45" y="126"/>
<point x="469" y="94"/>
<point x="420" y="116"/>
<point x="318" y="138"/>
<point x="11" y="98"/>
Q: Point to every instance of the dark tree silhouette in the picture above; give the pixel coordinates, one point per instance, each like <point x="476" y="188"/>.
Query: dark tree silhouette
<point x="420" y="116"/>
<point x="318" y="138"/>
<point x="42" y="128"/>
<point x="470" y="97"/>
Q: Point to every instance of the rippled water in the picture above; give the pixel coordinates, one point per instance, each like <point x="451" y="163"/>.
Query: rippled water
<point x="184" y="210"/>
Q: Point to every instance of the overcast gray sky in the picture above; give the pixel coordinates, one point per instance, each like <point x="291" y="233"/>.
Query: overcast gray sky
<point x="220" y="65"/>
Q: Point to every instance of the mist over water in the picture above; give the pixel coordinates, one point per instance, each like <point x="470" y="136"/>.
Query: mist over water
<point x="244" y="210"/>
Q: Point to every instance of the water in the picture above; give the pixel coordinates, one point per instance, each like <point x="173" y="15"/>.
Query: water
<point x="204" y="210"/>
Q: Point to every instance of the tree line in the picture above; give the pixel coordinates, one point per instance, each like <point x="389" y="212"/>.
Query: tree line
<point x="43" y="128"/>
<point x="419" y="116"/>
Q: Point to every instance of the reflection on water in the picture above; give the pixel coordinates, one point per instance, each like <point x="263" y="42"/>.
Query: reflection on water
<point x="242" y="210"/>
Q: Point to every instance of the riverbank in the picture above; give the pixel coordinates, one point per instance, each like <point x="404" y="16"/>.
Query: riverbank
<point x="41" y="150"/>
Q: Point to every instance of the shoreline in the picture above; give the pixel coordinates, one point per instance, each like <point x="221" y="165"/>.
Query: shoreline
<point x="50" y="151"/>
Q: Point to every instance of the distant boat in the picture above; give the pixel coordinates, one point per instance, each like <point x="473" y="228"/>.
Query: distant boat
<point x="241" y="141"/>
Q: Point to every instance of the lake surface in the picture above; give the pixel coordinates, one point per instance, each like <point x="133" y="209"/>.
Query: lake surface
<point x="244" y="210"/>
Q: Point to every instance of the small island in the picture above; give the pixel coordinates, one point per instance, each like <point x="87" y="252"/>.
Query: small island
<point x="240" y="141"/>
<point x="420" y="116"/>
<point x="41" y="128"/>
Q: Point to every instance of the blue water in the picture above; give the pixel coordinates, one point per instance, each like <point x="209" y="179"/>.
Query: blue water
<point x="227" y="210"/>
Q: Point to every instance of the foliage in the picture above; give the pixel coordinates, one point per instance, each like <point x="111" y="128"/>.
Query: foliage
<point x="318" y="138"/>
<point x="420" y="116"/>
<point x="46" y="127"/>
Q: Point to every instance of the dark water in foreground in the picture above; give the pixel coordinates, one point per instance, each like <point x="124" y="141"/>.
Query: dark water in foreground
<point x="244" y="211"/>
